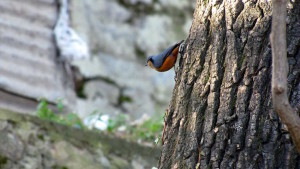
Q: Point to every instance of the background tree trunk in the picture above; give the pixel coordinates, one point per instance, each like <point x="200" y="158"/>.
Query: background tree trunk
<point x="221" y="115"/>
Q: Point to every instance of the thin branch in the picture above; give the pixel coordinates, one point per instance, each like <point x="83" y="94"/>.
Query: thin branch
<point x="280" y="71"/>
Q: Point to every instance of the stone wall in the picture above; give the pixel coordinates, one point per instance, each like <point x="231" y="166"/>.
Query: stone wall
<point x="31" y="143"/>
<point x="121" y="34"/>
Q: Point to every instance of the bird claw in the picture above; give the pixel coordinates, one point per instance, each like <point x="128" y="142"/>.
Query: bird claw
<point x="181" y="48"/>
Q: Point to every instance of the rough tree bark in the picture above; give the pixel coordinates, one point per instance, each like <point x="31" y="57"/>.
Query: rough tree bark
<point x="279" y="72"/>
<point x="221" y="115"/>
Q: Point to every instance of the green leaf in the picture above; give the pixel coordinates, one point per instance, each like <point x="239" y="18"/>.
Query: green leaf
<point x="71" y="119"/>
<point x="60" y="105"/>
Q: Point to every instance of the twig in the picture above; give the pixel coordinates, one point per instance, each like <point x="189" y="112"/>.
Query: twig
<point x="280" y="71"/>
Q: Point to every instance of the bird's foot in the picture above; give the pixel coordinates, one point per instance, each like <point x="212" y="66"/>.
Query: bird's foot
<point x="181" y="48"/>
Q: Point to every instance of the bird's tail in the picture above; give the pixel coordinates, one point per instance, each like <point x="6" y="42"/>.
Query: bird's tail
<point x="179" y="43"/>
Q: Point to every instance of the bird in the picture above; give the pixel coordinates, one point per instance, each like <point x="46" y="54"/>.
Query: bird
<point x="165" y="60"/>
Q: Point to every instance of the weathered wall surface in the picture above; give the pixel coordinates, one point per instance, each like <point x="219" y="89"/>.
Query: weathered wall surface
<point x="31" y="143"/>
<point x="121" y="34"/>
<point x="28" y="65"/>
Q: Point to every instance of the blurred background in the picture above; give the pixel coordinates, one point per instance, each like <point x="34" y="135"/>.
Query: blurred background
<point x="88" y="58"/>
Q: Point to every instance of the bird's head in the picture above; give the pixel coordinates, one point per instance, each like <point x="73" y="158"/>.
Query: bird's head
<point x="149" y="61"/>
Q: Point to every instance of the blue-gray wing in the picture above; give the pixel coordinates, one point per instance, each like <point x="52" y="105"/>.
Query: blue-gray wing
<point x="159" y="59"/>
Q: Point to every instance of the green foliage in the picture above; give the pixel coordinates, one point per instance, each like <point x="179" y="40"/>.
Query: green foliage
<point x="72" y="119"/>
<point x="150" y="130"/>
<point x="44" y="112"/>
<point x="114" y="124"/>
<point x="60" y="105"/>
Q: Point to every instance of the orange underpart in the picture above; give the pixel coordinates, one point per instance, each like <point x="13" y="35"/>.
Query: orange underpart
<point x="169" y="62"/>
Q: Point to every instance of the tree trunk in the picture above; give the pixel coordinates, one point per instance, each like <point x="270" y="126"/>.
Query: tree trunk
<point x="221" y="114"/>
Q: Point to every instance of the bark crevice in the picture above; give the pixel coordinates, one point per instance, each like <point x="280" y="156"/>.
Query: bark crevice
<point x="221" y="111"/>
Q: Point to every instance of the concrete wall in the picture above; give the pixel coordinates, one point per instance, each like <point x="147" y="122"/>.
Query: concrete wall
<point x="28" y="56"/>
